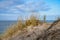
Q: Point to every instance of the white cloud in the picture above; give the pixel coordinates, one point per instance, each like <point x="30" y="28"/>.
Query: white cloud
<point x="28" y="6"/>
<point x="33" y="6"/>
<point x="5" y="4"/>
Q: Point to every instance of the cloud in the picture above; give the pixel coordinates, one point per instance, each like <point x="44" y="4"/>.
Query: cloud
<point x="16" y="6"/>
<point x="7" y="3"/>
<point x="20" y="7"/>
<point x="33" y="6"/>
<point x="9" y="16"/>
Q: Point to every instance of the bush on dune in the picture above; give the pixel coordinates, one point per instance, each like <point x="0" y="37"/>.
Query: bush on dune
<point x="21" y="25"/>
<point x="32" y="21"/>
<point x="10" y="31"/>
<point x="0" y="38"/>
<point x="14" y="29"/>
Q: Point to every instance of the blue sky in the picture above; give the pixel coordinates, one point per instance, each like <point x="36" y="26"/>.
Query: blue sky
<point x="12" y="9"/>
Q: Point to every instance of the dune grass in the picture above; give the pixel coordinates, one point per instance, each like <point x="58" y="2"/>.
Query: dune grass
<point x="32" y="21"/>
<point x="20" y="25"/>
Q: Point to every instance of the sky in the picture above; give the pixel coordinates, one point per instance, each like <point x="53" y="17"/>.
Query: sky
<point x="13" y="9"/>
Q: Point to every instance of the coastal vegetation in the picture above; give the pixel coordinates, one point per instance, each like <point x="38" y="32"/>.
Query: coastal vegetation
<point x="21" y="26"/>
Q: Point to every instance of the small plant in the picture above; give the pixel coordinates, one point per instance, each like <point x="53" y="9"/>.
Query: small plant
<point x="21" y="25"/>
<point x="32" y="21"/>
<point x="0" y="37"/>
<point x="27" y="23"/>
<point x="58" y="18"/>
<point x="10" y="31"/>
<point x="44" y="18"/>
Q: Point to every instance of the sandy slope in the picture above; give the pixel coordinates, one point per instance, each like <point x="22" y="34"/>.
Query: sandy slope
<point x="34" y="33"/>
<point x="29" y="33"/>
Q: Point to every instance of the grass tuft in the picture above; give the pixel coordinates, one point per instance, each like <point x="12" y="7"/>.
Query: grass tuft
<point x="20" y="25"/>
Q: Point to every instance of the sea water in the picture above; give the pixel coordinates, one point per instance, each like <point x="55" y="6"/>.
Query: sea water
<point x="5" y="24"/>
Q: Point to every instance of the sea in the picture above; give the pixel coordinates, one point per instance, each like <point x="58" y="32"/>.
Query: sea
<point x="6" y="24"/>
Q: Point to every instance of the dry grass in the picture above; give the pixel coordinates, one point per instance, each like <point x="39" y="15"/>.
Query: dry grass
<point x="10" y="31"/>
<point x="32" y="21"/>
<point x="21" y="25"/>
<point x="0" y="38"/>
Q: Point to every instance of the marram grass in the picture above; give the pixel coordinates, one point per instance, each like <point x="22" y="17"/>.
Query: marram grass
<point x="20" y="25"/>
